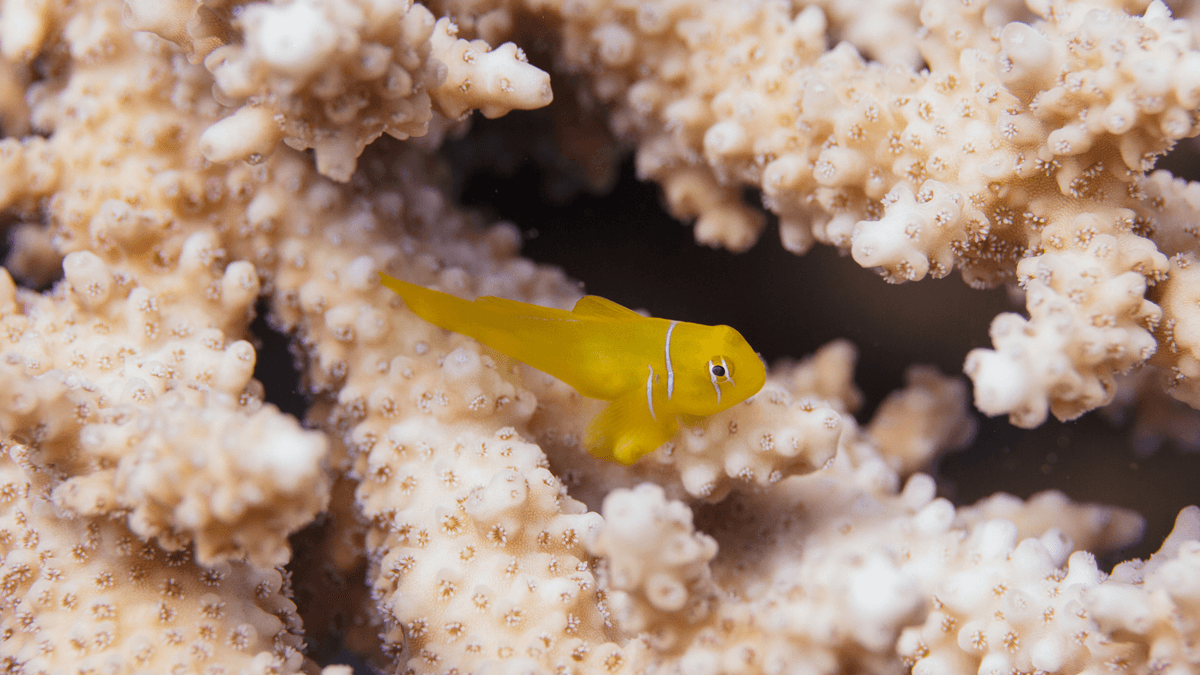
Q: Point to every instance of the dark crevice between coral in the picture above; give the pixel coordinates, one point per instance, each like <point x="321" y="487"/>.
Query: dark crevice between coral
<point x="1183" y="160"/>
<point x="7" y="222"/>
<point x="27" y="253"/>
<point x="333" y="602"/>
<point x="275" y="367"/>
<point x="340" y="626"/>
<point x="1087" y="459"/>
<point x="570" y="142"/>
<point x="51" y="64"/>
<point x="25" y="237"/>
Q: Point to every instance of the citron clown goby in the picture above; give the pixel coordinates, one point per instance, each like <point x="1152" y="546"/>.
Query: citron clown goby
<point x="652" y="370"/>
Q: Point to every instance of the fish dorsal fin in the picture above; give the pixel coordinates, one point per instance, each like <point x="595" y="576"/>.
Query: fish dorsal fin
<point x="596" y="306"/>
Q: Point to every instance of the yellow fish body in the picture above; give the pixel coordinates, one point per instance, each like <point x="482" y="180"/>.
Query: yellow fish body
<point x="652" y="370"/>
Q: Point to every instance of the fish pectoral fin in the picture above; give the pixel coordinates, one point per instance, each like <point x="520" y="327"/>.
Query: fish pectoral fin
<point x="624" y="430"/>
<point x="693" y="421"/>
<point x="596" y="306"/>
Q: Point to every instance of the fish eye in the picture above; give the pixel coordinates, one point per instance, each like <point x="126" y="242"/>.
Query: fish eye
<point x="718" y="369"/>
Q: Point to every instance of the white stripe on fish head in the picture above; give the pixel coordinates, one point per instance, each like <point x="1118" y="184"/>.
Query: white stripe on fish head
<point x="650" y="393"/>
<point x="670" y="370"/>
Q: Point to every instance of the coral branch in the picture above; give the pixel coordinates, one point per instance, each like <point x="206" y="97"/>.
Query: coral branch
<point x="147" y="493"/>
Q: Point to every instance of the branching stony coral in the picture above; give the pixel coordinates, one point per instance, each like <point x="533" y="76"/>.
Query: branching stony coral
<point x="1013" y="157"/>
<point x="87" y="593"/>
<point x="148" y="491"/>
<point x="334" y="76"/>
<point x="132" y="400"/>
<point x="1044" y="615"/>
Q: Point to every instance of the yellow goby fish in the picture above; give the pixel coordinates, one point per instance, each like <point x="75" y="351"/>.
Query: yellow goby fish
<point x="652" y="370"/>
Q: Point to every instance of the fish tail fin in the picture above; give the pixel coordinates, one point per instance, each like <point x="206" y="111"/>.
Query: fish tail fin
<point x="625" y="430"/>
<point x="438" y="308"/>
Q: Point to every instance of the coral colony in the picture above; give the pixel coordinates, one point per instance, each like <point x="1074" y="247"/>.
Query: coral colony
<point x="174" y="162"/>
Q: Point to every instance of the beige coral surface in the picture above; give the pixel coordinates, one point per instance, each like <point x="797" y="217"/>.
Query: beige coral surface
<point x="1017" y="154"/>
<point x="170" y="169"/>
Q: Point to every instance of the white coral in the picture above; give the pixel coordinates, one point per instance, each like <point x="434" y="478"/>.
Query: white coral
<point x="1027" y="606"/>
<point x="129" y="391"/>
<point x="1014" y="150"/>
<point x="656" y="566"/>
<point x="88" y="593"/>
<point x="337" y="74"/>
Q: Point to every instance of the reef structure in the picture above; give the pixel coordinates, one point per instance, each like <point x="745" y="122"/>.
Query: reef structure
<point x="155" y="176"/>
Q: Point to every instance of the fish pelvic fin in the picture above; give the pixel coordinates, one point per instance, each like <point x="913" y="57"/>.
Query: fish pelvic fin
<point x="625" y="430"/>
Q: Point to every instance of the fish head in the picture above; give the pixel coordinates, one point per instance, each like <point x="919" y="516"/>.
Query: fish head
<point x="716" y="368"/>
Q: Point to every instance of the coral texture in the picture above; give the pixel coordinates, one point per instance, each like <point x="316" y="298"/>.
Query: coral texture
<point x="87" y="594"/>
<point x="1045" y="613"/>
<point x="335" y="75"/>
<point x="1017" y="155"/>
<point x="155" y="178"/>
